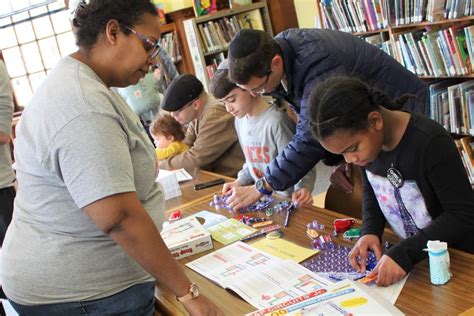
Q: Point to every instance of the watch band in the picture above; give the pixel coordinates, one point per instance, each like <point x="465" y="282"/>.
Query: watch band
<point x="192" y="294"/>
<point x="260" y="186"/>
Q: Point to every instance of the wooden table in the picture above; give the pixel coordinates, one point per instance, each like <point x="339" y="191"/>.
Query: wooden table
<point x="418" y="296"/>
<point x="189" y="195"/>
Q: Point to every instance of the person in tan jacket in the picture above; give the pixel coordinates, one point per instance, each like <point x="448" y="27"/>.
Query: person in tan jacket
<point x="210" y="135"/>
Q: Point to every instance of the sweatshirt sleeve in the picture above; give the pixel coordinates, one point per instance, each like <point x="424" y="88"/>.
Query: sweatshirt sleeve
<point x="244" y="176"/>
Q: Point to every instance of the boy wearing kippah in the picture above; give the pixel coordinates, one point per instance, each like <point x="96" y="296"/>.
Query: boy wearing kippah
<point x="290" y="65"/>
<point x="263" y="130"/>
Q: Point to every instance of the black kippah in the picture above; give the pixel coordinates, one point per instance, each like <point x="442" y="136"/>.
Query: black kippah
<point x="245" y="42"/>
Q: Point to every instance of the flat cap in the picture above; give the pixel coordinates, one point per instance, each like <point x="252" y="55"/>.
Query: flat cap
<point x="182" y="90"/>
<point x="245" y="42"/>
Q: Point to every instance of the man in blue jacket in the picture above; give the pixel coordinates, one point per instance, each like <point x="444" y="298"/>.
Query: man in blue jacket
<point x="288" y="67"/>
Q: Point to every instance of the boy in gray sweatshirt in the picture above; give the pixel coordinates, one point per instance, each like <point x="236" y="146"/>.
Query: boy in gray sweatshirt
<point x="263" y="130"/>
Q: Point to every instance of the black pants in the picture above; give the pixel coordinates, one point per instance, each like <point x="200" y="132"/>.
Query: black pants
<point x="7" y="195"/>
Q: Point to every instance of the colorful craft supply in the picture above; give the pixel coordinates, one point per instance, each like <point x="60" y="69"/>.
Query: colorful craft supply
<point x="262" y="232"/>
<point x="323" y="242"/>
<point x="313" y="234"/>
<point x="367" y="279"/>
<point x="343" y="224"/>
<point x="262" y="224"/>
<point x="315" y="225"/>
<point x="351" y="233"/>
<point x="291" y="207"/>
<point x="261" y="205"/>
<point x="269" y="212"/>
<point x="274" y="234"/>
<point x="175" y="216"/>
<point x="332" y="262"/>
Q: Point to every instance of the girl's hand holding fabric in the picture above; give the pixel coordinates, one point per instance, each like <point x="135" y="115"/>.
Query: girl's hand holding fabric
<point x="358" y="254"/>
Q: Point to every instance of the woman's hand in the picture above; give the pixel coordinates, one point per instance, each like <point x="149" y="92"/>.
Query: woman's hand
<point x="202" y="306"/>
<point x="243" y="196"/>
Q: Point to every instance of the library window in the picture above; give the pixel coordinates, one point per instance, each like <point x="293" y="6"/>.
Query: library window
<point x="32" y="43"/>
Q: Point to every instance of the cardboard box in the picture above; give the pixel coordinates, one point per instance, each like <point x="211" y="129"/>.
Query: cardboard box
<point x="186" y="237"/>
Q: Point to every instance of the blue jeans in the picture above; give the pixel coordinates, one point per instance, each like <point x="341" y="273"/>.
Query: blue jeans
<point x="136" y="300"/>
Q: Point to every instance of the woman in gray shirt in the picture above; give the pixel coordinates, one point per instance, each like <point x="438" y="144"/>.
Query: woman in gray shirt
<point x="84" y="237"/>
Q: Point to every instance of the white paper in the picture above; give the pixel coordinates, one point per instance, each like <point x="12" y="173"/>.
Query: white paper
<point x="259" y="278"/>
<point x="391" y="292"/>
<point x="170" y="184"/>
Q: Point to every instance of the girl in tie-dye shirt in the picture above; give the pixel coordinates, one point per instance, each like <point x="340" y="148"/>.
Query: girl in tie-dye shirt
<point x="414" y="178"/>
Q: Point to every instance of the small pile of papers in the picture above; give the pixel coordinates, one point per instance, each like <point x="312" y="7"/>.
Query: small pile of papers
<point x="170" y="183"/>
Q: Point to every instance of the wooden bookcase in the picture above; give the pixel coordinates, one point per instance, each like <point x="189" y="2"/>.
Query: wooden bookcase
<point x="208" y="36"/>
<point x="433" y="44"/>
<point x="178" y="59"/>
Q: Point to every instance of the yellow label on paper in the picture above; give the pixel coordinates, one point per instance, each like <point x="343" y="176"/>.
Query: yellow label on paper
<point x="354" y="302"/>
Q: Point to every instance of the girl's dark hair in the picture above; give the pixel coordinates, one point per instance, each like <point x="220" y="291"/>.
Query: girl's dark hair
<point x="345" y="103"/>
<point x="91" y="18"/>
<point x="166" y="125"/>
<point x="221" y="85"/>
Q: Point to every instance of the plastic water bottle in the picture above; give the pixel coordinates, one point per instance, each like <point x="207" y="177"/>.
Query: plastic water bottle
<point x="439" y="262"/>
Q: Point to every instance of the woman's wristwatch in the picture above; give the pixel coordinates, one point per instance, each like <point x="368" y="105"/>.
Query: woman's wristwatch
<point x="192" y="294"/>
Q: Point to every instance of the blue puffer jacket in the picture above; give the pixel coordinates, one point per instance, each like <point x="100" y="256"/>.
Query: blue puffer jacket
<point x="310" y="57"/>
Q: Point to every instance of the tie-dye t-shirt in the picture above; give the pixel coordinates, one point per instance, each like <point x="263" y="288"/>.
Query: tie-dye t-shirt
<point x="435" y="201"/>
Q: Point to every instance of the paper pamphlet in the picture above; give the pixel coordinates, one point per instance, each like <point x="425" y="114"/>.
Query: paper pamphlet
<point x="230" y="231"/>
<point x="343" y="298"/>
<point x="284" y="249"/>
<point x="210" y="218"/>
<point x="182" y="175"/>
<point x="169" y="183"/>
<point x="259" y="278"/>
<point x="391" y="292"/>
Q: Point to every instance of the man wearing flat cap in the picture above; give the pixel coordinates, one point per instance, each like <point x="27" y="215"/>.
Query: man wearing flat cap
<point x="289" y="67"/>
<point x="210" y="135"/>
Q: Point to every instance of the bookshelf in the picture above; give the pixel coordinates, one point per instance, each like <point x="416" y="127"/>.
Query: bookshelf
<point x="208" y="36"/>
<point x="171" y="42"/>
<point x="433" y="39"/>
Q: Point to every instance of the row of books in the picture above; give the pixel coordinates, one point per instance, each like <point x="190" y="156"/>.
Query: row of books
<point x="452" y="105"/>
<point x="216" y="35"/>
<point x="446" y="52"/>
<point x="353" y="15"/>
<point x="169" y="42"/>
<point x="416" y="11"/>
<point x="373" y="15"/>
<point x="443" y="52"/>
<point x="465" y="147"/>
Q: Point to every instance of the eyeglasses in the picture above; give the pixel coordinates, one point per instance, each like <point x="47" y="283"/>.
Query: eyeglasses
<point x="152" y="47"/>
<point x="260" y="89"/>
